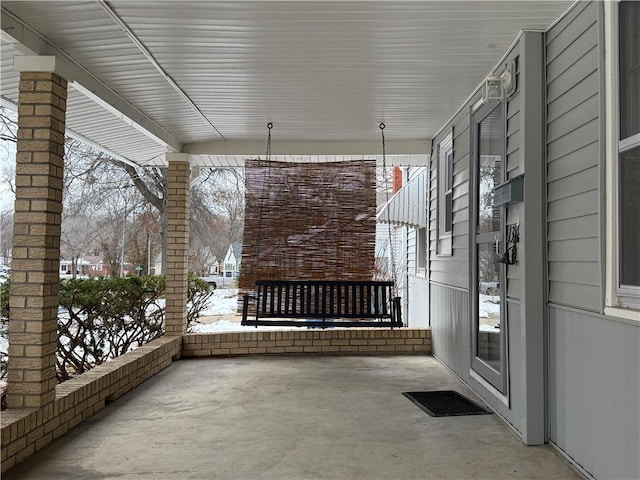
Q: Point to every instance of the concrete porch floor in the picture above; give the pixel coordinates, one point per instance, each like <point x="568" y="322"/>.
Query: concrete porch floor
<point x="338" y="417"/>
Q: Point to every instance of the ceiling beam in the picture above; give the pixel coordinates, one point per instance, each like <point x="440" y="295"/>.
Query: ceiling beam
<point x="253" y="148"/>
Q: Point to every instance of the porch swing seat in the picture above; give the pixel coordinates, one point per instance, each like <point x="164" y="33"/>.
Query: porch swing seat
<point x="322" y="304"/>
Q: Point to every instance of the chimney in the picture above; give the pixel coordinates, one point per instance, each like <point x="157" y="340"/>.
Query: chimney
<point x="396" y="182"/>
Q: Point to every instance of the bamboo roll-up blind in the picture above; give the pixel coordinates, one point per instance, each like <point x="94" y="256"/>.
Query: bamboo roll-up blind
<point x="312" y="221"/>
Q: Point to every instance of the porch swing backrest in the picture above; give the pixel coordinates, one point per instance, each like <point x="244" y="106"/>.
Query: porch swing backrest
<point x="335" y="303"/>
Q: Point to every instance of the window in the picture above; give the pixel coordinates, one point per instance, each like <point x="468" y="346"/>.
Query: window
<point x="421" y="251"/>
<point x="445" y="195"/>
<point x="629" y="155"/>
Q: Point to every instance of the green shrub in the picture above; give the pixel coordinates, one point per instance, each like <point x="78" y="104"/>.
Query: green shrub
<point x="103" y="318"/>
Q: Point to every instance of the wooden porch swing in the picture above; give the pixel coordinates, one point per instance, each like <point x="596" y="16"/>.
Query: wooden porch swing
<point x="318" y="303"/>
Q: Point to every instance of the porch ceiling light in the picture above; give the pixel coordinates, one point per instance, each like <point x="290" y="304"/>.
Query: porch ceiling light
<point x="494" y="87"/>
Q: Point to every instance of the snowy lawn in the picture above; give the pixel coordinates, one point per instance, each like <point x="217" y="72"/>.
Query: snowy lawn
<point x="225" y="302"/>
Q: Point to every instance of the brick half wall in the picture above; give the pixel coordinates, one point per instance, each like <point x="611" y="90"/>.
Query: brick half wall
<point x="347" y="341"/>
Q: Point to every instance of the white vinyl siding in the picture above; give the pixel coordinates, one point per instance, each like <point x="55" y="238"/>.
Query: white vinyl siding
<point x="412" y="251"/>
<point x="573" y="148"/>
<point x="514" y="168"/>
<point x="454" y="269"/>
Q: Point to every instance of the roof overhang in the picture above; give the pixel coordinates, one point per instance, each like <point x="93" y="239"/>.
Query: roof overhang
<point x="408" y="207"/>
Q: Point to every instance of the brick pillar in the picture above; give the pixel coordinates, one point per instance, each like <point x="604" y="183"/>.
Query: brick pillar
<point x="33" y="339"/>
<point x="177" y="243"/>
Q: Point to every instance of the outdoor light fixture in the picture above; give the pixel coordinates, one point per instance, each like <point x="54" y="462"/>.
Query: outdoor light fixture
<point x="492" y="89"/>
<point x="495" y="87"/>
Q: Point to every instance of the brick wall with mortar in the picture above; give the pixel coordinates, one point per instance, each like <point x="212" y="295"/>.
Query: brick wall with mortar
<point x="25" y="431"/>
<point x="179" y="175"/>
<point x="36" y="240"/>
<point x="347" y="341"/>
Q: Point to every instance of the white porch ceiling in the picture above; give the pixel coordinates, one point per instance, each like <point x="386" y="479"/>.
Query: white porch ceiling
<point x="206" y="77"/>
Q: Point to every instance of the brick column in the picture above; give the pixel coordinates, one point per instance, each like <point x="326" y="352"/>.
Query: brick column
<point x="33" y="339"/>
<point x="177" y="243"/>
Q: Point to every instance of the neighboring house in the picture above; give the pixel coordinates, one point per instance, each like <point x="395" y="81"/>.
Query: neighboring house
<point x="215" y="268"/>
<point x="527" y="262"/>
<point x="67" y="267"/>
<point x="231" y="264"/>
<point x="85" y="266"/>
<point x="96" y="267"/>
<point x="406" y="215"/>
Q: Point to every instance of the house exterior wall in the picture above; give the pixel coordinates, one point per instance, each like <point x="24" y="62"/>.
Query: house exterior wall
<point x="594" y="391"/>
<point x="515" y="167"/>
<point x="417" y="313"/>
<point x="412" y="251"/>
<point x="592" y="360"/>
<point x="452" y="270"/>
<point x="418" y="308"/>
<point x="574" y="146"/>
<point x="449" y="293"/>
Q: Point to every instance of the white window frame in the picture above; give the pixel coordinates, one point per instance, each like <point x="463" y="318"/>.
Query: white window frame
<point x="614" y="294"/>
<point x="445" y="152"/>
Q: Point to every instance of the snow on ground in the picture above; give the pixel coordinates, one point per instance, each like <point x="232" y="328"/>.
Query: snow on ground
<point x="223" y="326"/>
<point x="489" y="309"/>
<point x="224" y="301"/>
<point x="489" y="328"/>
<point x="489" y="305"/>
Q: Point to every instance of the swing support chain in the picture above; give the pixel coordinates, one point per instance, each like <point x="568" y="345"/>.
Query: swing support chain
<point x="391" y="250"/>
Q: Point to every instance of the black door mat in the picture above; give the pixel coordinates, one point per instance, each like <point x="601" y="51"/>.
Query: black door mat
<point x="445" y="403"/>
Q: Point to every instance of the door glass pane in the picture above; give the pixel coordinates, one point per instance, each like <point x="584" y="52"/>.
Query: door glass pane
<point x="489" y="331"/>
<point x="489" y="305"/>
<point x="490" y="148"/>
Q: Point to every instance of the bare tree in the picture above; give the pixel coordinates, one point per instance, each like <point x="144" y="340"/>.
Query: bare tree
<point x="78" y="238"/>
<point x="8" y="140"/>
<point x="6" y="234"/>
<point x="110" y="195"/>
<point x="222" y="193"/>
